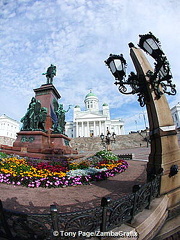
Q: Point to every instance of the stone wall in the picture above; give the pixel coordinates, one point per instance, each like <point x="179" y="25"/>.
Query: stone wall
<point x="122" y="142"/>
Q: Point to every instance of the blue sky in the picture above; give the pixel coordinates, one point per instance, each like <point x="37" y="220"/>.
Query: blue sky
<point x="77" y="36"/>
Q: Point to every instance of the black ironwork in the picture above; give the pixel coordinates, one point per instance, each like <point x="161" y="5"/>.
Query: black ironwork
<point x="119" y="212"/>
<point x="104" y="204"/>
<point x="173" y="170"/>
<point x="82" y="221"/>
<point x="160" y="79"/>
<point x="106" y="140"/>
<point x="111" y="214"/>
<point x="134" y="84"/>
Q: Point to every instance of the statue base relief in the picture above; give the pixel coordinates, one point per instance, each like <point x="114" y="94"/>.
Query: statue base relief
<point x="38" y="144"/>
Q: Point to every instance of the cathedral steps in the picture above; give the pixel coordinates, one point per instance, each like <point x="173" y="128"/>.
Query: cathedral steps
<point x="122" y="142"/>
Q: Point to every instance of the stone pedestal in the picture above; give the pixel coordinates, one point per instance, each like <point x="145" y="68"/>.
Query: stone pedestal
<point x="44" y="144"/>
<point x="32" y="140"/>
<point x="47" y="94"/>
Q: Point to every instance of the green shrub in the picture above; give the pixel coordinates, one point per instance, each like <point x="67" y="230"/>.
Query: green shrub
<point x="3" y="155"/>
<point x="106" y="155"/>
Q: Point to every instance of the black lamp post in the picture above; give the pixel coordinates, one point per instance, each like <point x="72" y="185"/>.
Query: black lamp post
<point x="117" y="65"/>
<point x="150" y="85"/>
<point x="133" y="84"/>
<point x="102" y="137"/>
<point x="151" y="45"/>
<point x="107" y="139"/>
<point x="114" y="136"/>
<point x="160" y="79"/>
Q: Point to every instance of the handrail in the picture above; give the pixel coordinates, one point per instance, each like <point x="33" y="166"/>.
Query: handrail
<point x="54" y="225"/>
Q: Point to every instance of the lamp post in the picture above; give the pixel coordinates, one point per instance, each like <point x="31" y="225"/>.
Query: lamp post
<point x="145" y="125"/>
<point x="161" y="77"/>
<point x="107" y="140"/>
<point x="150" y="85"/>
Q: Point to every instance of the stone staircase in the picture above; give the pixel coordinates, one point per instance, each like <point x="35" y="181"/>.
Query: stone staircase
<point x="122" y="142"/>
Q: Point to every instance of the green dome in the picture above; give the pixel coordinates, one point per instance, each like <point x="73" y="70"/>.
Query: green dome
<point x="105" y="104"/>
<point x="77" y="106"/>
<point x="90" y="95"/>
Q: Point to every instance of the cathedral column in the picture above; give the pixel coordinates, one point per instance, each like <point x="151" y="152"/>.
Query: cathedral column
<point x="88" y="131"/>
<point x="77" y="129"/>
<point x="100" y="127"/>
<point x="105" y="128"/>
<point x="94" y="128"/>
<point x="82" y="129"/>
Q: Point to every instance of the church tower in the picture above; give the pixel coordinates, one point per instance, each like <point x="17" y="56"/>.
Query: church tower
<point x="91" y="102"/>
<point x="106" y="110"/>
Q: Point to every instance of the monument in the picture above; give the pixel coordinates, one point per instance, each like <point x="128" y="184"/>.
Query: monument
<point x="43" y="126"/>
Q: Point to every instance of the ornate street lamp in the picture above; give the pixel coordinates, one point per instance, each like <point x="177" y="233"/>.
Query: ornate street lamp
<point x="151" y="45"/>
<point x="107" y="140"/>
<point x="102" y="137"/>
<point x="114" y="136"/>
<point x="117" y="65"/>
<point x="150" y="85"/>
<point x="160" y="79"/>
<point x="133" y="84"/>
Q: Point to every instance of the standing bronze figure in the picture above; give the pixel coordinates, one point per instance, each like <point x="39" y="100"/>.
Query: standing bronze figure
<point x="51" y="72"/>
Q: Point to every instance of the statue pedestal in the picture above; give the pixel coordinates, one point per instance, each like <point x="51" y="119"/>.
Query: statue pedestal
<point x="43" y="144"/>
<point x="32" y="140"/>
<point x="47" y="94"/>
<point x="38" y="144"/>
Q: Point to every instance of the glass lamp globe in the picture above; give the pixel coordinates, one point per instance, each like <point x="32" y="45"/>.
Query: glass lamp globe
<point x="117" y="65"/>
<point x="150" y="44"/>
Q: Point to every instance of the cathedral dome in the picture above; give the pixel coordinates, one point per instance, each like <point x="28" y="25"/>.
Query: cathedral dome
<point x="91" y="102"/>
<point x="90" y="95"/>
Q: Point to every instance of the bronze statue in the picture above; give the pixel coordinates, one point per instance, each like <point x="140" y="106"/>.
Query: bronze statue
<point x="61" y="117"/>
<point x="59" y="124"/>
<point x="51" y="72"/>
<point x="35" y="116"/>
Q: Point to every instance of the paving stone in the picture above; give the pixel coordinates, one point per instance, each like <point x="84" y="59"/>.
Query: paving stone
<point x="38" y="200"/>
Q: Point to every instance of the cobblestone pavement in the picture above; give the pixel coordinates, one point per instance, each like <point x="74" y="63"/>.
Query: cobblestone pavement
<point x="38" y="200"/>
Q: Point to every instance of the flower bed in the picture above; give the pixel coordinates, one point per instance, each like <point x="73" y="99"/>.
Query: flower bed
<point x="25" y="172"/>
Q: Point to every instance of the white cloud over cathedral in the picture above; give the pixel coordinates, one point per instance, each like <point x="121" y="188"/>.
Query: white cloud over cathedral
<point x="77" y="36"/>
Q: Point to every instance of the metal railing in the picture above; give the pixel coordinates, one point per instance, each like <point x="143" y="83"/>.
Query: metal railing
<point x="109" y="215"/>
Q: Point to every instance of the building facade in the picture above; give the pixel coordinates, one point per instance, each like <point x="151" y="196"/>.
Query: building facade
<point x="92" y="121"/>
<point x="8" y="129"/>
<point x="175" y="111"/>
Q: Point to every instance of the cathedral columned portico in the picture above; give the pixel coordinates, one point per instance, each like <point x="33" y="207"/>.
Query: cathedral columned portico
<point x="92" y="121"/>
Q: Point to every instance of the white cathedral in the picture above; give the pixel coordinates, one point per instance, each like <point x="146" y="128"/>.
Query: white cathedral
<point x="92" y="121"/>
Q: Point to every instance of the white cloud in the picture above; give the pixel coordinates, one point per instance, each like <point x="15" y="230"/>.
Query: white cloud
<point x="77" y="36"/>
